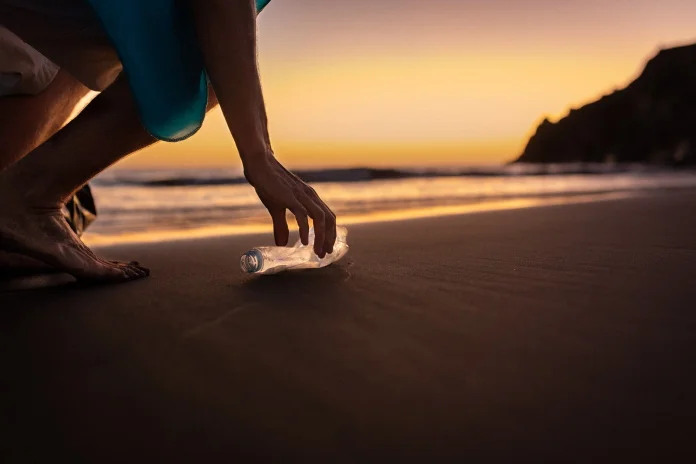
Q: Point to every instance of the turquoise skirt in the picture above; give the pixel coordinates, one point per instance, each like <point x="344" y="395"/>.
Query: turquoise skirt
<point x="156" y="42"/>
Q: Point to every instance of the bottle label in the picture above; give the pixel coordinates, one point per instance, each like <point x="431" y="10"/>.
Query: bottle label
<point x="252" y="261"/>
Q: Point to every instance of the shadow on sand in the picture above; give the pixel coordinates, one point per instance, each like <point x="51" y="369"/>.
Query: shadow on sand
<point x="310" y="286"/>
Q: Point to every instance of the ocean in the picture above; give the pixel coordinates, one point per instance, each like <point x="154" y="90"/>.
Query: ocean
<point x="154" y="205"/>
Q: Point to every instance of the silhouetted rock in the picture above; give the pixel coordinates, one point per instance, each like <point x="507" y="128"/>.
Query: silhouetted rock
<point x="652" y="120"/>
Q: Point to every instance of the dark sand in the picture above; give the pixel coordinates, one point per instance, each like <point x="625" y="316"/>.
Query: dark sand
<point x="564" y="332"/>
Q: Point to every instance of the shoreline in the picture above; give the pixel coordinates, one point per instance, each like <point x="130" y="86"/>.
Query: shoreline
<point x="369" y="218"/>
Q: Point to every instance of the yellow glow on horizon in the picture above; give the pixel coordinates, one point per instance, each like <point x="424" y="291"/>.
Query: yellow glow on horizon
<point x="434" y="109"/>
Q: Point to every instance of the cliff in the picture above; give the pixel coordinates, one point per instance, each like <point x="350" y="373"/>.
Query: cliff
<point x="652" y="120"/>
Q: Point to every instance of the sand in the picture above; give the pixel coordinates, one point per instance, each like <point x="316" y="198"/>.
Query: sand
<point x="565" y="332"/>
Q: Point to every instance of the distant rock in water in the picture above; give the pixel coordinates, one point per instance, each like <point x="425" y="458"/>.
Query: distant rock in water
<point x="653" y="120"/>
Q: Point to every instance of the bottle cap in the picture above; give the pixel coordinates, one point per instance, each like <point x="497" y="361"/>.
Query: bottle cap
<point x="251" y="261"/>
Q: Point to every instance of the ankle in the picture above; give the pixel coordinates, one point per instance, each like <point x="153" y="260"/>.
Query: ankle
<point x="21" y="192"/>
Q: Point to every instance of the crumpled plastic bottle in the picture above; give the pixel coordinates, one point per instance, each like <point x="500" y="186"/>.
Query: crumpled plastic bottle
<point x="272" y="260"/>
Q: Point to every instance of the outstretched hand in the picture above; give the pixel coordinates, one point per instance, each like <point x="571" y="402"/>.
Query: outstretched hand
<point x="280" y="190"/>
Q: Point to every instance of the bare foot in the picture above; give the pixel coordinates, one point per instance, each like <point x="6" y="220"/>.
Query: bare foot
<point x="12" y="264"/>
<point x="43" y="234"/>
<point x="17" y="265"/>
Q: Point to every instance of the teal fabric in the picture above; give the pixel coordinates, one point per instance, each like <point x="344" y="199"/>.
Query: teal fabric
<point x="261" y="4"/>
<point x="156" y="42"/>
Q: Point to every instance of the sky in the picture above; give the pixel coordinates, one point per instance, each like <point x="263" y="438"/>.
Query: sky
<point x="431" y="82"/>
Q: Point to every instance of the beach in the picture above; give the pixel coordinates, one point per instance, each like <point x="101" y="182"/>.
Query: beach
<point x="563" y="332"/>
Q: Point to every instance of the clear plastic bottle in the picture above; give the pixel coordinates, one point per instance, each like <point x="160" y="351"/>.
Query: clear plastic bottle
<point x="272" y="260"/>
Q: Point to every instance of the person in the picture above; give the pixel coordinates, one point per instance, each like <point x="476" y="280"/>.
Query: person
<point x="52" y="53"/>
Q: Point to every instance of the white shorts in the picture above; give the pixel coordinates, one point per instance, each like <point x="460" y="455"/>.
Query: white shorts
<point x="23" y="70"/>
<point x="39" y="37"/>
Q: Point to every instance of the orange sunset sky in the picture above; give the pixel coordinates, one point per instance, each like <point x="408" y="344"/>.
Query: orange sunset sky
<point x="431" y="82"/>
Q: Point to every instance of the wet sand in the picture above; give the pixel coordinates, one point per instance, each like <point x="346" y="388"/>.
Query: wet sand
<point x="562" y="332"/>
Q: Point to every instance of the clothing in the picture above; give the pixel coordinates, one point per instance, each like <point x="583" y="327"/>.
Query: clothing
<point x="68" y="35"/>
<point x="156" y="40"/>
<point x="157" y="43"/>
<point x="94" y="40"/>
<point x="23" y="70"/>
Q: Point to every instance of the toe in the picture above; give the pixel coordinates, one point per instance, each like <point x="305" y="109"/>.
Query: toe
<point x="139" y="271"/>
<point x="144" y="270"/>
<point x="105" y="271"/>
<point x="123" y="263"/>
<point x="132" y="273"/>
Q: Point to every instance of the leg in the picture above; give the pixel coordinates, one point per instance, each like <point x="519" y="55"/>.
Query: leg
<point x="37" y="186"/>
<point x="35" y="109"/>
<point x="77" y="44"/>
<point x="26" y="121"/>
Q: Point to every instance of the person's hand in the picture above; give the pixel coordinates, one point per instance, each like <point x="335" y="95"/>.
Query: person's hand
<point x="280" y="190"/>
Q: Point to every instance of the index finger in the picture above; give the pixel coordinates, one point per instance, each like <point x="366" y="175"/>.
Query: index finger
<point x="280" y="226"/>
<point x="300" y="213"/>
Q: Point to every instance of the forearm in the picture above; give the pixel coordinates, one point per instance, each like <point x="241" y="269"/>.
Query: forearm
<point x="226" y="31"/>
